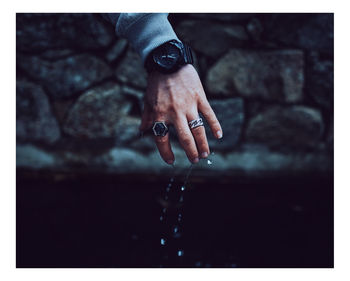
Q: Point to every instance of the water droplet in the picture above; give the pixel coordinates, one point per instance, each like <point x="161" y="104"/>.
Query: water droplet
<point x="176" y="229"/>
<point x="166" y="197"/>
<point x="180" y="253"/>
<point x="209" y="162"/>
<point x="161" y="218"/>
<point x="162" y="241"/>
<point x="172" y="180"/>
<point x="198" y="264"/>
<point x="167" y="189"/>
<point x="164" y="210"/>
<point x="179" y="217"/>
<point x="181" y="199"/>
<point x="183" y="188"/>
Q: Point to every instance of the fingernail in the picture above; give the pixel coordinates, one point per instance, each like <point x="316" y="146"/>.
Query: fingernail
<point x="204" y="154"/>
<point x="219" y="134"/>
<point x="196" y="160"/>
<point x="170" y="162"/>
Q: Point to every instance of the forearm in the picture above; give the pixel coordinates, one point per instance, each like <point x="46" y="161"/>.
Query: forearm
<point x="144" y="31"/>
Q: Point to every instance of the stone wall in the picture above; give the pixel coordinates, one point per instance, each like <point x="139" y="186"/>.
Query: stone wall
<point x="269" y="78"/>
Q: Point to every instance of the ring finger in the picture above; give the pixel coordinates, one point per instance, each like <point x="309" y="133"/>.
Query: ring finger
<point x="199" y="136"/>
<point x="186" y="138"/>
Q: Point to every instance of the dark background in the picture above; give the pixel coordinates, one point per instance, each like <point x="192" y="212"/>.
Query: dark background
<point x="89" y="190"/>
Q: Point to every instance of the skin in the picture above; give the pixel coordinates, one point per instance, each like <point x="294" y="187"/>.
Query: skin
<point x="176" y="99"/>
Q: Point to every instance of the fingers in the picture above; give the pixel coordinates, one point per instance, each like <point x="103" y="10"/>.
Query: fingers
<point x="164" y="148"/>
<point x="209" y="115"/>
<point x="199" y="137"/>
<point x="186" y="139"/>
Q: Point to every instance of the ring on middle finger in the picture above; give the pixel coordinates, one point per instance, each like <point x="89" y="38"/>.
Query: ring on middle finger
<point x="196" y="123"/>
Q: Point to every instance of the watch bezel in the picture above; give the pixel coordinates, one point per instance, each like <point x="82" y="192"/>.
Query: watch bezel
<point x="177" y="64"/>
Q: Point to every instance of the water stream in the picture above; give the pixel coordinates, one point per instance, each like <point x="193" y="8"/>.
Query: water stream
<point x="171" y="219"/>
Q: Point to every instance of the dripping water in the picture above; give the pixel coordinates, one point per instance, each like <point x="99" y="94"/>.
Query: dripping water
<point x="171" y="244"/>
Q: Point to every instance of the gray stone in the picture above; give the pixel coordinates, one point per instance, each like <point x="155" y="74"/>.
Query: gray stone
<point x="224" y="17"/>
<point x="270" y="75"/>
<point x="280" y="127"/>
<point x="255" y="29"/>
<point x="131" y="71"/>
<point x="34" y="118"/>
<point x="32" y="157"/>
<point x="248" y="161"/>
<point x="36" y="32"/>
<point x="320" y="83"/>
<point x="307" y="31"/>
<point x="230" y="114"/>
<point x="65" y="77"/>
<point x="56" y="54"/>
<point x="116" y="50"/>
<point x="102" y="112"/>
<point x="135" y="94"/>
<point x="211" y="39"/>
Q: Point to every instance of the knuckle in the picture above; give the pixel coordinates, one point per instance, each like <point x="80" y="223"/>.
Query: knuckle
<point x="158" y="110"/>
<point x="160" y="140"/>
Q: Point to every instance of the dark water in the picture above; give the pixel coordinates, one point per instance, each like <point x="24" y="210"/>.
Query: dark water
<point x="110" y="221"/>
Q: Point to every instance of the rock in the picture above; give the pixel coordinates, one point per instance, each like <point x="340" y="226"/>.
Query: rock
<point x="102" y="112"/>
<point x="259" y="160"/>
<point x="36" y="32"/>
<point x="32" y="157"/>
<point x="116" y="50"/>
<point x="231" y="116"/>
<point x="270" y="75"/>
<point x="54" y="55"/>
<point x="34" y="119"/>
<point x="297" y="127"/>
<point x="134" y="94"/>
<point x="307" y="31"/>
<point x="131" y="71"/>
<point x="248" y="161"/>
<point x="255" y="28"/>
<point x="63" y="78"/>
<point x="211" y="39"/>
<point x="224" y="17"/>
<point x="320" y="83"/>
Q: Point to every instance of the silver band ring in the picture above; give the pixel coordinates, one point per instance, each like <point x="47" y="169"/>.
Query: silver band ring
<point x="196" y="123"/>
<point x="160" y="129"/>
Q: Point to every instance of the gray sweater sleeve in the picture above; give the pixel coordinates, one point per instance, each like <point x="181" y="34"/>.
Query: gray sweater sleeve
<point x="144" y="31"/>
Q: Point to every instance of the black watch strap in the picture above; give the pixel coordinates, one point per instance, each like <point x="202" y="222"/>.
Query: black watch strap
<point x="188" y="57"/>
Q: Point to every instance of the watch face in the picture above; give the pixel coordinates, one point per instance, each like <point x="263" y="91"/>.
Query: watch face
<point x="167" y="56"/>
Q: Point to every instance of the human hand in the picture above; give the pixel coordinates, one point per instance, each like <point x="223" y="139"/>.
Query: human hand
<point x="176" y="99"/>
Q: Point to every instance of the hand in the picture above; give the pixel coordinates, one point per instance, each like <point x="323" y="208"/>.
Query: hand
<point x="176" y="99"/>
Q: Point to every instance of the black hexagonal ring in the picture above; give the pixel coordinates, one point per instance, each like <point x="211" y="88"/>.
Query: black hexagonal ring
<point x="160" y="129"/>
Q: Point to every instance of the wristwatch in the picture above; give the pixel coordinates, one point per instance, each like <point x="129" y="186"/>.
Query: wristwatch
<point x="169" y="57"/>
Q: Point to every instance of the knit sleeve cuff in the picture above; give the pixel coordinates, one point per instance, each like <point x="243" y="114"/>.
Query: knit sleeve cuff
<point x="145" y="32"/>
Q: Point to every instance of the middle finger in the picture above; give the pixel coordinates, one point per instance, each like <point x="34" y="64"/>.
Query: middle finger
<point x="186" y="139"/>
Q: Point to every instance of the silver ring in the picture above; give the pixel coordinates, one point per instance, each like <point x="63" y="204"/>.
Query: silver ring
<point x="160" y="129"/>
<point x="196" y="123"/>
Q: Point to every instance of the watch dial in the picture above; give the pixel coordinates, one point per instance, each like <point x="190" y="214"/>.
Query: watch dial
<point x="167" y="56"/>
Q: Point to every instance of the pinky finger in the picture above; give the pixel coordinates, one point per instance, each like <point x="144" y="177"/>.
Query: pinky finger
<point x="210" y="116"/>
